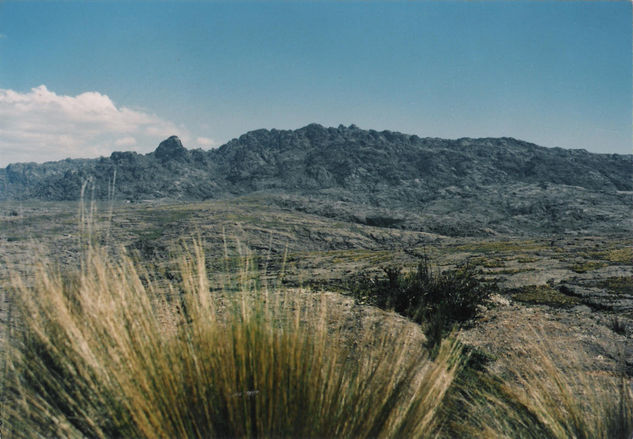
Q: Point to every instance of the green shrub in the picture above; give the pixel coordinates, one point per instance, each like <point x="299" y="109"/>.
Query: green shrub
<point x="438" y="299"/>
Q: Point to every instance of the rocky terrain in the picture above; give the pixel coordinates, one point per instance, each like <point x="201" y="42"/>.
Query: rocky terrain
<point x="317" y="206"/>
<point x="578" y="286"/>
<point x="463" y="187"/>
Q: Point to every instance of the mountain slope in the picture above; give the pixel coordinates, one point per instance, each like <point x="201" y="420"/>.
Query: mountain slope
<point x="499" y="184"/>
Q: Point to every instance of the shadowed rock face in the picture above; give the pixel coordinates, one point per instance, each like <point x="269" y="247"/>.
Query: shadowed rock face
<point x="447" y="186"/>
<point x="171" y="149"/>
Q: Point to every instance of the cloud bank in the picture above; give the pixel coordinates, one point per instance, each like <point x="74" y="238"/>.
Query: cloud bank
<point x="205" y="142"/>
<point x="41" y="126"/>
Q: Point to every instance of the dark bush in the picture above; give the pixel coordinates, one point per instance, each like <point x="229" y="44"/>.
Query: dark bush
<point x="617" y="325"/>
<point x="437" y="299"/>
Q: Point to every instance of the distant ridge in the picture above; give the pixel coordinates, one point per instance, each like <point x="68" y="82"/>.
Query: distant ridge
<point x="382" y="169"/>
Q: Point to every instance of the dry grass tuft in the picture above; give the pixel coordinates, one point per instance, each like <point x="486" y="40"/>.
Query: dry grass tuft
<point x="548" y="395"/>
<point x="104" y="352"/>
<point x="108" y="352"/>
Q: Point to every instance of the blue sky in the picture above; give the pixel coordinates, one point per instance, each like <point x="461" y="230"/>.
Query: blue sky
<point x="82" y="79"/>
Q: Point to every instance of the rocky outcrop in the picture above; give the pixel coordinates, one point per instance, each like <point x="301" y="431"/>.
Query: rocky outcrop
<point x="383" y="178"/>
<point x="171" y="149"/>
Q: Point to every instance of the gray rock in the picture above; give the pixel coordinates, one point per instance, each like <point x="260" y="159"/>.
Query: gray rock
<point x="462" y="187"/>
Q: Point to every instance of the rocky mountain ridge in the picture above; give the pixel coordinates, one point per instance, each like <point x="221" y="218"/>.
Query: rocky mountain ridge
<point x="396" y="180"/>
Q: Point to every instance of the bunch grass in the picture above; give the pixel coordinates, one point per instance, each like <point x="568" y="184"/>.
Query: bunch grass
<point x="107" y="352"/>
<point x="545" y="393"/>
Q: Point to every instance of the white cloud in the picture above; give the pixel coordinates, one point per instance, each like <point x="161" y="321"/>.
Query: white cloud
<point x="41" y="125"/>
<point x="3" y="36"/>
<point x="126" y="141"/>
<point x="205" y="142"/>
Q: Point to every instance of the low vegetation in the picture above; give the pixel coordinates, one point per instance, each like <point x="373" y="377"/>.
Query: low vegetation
<point x="617" y="255"/>
<point x="618" y="285"/>
<point x="437" y="299"/>
<point x="585" y="266"/>
<point x="544" y="295"/>
<point x="113" y="351"/>
<point x="543" y="394"/>
<point x="495" y="247"/>
<point x="107" y="353"/>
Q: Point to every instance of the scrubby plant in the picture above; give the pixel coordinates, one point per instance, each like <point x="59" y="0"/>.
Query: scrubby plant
<point x="111" y="351"/>
<point x="106" y="352"/>
<point x="544" y="393"/>
<point x="617" y="325"/>
<point x="437" y="299"/>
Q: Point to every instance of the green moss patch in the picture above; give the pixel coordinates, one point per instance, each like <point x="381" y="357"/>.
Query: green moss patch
<point x="342" y="256"/>
<point x="618" y="255"/>
<point x="500" y="246"/>
<point x="514" y="270"/>
<point x="487" y="262"/>
<point x="527" y="259"/>
<point x="544" y="295"/>
<point x="583" y="267"/>
<point x="618" y="285"/>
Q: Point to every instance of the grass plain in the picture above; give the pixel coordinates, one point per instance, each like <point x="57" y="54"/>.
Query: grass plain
<point x="550" y="327"/>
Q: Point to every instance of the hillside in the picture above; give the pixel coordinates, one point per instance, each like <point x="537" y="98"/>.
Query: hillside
<point x="324" y="209"/>
<point x="454" y="187"/>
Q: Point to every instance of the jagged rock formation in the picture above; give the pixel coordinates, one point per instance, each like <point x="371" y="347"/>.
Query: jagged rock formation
<point x="463" y="186"/>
